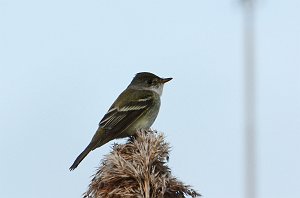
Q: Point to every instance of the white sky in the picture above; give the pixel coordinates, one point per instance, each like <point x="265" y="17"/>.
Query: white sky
<point x="62" y="64"/>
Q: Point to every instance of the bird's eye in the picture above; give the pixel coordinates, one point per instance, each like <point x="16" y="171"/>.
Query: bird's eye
<point x="149" y="82"/>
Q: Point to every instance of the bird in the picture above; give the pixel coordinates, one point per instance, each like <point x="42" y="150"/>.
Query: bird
<point x="136" y="108"/>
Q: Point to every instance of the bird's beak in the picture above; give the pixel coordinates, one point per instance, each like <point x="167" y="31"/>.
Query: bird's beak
<point x="164" y="80"/>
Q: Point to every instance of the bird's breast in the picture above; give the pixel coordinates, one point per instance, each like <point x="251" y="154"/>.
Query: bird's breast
<point x="146" y="120"/>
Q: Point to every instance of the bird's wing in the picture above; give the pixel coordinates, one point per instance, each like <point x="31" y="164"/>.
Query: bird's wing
<point x="122" y="114"/>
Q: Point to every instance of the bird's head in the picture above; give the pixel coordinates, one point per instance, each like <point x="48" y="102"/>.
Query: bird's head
<point x="148" y="81"/>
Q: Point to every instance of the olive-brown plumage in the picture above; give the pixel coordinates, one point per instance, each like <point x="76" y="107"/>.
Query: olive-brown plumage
<point x="136" y="108"/>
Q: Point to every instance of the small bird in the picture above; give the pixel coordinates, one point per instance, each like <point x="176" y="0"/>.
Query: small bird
<point x="136" y="108"/>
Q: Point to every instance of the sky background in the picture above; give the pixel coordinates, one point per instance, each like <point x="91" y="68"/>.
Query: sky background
<point x="62" y="64"/>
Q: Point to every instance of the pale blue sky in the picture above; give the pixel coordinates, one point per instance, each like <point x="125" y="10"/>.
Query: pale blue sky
<point x="62" y="64"/>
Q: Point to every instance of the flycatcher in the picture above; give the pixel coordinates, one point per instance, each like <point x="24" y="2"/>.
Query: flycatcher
<point x="136" y="108"/>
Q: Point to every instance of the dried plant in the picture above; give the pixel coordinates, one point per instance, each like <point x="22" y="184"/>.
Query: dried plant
<point x="138" y="169"/>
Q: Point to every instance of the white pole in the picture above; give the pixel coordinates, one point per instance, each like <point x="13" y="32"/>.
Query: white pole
<point x="250" y="137"/>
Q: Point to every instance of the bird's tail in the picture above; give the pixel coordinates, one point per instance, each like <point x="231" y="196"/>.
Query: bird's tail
<point x="97" y="141"/>
<point x="82" y="155"/>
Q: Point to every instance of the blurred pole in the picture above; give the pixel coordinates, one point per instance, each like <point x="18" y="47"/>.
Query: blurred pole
<point x="250" y="136"/>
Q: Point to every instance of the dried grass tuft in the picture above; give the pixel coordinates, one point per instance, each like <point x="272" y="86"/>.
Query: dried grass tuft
<point x="138" y="169"/>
